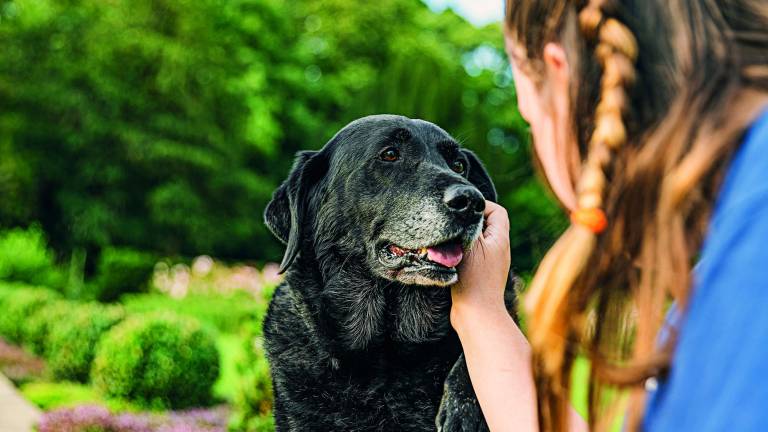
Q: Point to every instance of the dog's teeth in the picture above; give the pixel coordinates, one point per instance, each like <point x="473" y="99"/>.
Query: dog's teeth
<point x="396" y="250"/>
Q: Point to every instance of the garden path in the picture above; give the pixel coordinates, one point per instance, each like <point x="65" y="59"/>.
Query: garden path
<point x="16" y="413"/>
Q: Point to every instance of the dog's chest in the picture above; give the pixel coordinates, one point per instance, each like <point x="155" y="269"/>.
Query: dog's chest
<point x="391" y="382"/>
<point x="404" y="396"/>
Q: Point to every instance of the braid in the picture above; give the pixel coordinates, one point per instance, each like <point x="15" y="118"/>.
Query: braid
<point x="616" y="52"/>
<point x="552" y="297"/>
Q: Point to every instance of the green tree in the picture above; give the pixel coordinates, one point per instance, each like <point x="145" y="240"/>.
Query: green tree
<point x="142" y="123"/>
<point x="165" y="125"/>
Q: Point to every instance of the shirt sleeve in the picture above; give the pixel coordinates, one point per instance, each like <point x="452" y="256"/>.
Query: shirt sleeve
<point x="719" y="375"/>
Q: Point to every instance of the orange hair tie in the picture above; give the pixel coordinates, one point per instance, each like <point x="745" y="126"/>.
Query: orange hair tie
<point x="592" y="218"/>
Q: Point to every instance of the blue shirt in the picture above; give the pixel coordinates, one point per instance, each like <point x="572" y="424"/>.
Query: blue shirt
<point x="719" y="375"/>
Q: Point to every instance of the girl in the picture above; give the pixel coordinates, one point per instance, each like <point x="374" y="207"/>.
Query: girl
<point x="649" y="119"/>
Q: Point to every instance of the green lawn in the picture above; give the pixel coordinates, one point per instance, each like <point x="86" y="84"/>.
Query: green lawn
<point x="49" y="395"/>
<point x="230" y="350"/>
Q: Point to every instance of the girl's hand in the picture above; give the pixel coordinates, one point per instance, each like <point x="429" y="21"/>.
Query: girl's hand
<point x="483" y="272"/>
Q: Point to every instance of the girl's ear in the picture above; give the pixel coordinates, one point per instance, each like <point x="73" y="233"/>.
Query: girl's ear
<point x="560" y="157"/>
<point x="556" y="64"/>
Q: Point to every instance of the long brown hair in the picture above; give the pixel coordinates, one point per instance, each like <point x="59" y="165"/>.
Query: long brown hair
<point x="662" y="94"/>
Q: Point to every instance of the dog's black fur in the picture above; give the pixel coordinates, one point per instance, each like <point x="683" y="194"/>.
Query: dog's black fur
<point x="359" y="339"/>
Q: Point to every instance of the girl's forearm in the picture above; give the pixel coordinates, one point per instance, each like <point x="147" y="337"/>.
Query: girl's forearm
<point x="499" y="361"/>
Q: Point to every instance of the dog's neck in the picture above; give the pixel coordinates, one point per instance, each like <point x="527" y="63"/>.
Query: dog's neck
<point x="357" y="311"/>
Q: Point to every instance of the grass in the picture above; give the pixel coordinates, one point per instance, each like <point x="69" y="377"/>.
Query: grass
<point x="49" y="395"/>
<point x="230" y="351"/>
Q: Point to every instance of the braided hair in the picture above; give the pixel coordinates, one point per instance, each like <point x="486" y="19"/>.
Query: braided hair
<point x="663" y="91"/>
<point x="548" y="297"/>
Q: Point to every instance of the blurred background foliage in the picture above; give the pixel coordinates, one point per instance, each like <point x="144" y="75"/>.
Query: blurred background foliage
<point x="163" y="126"/>
<point x="136" y="135"/>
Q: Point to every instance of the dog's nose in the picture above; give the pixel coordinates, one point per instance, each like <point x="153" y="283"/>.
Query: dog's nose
<point x="464" y="199"/>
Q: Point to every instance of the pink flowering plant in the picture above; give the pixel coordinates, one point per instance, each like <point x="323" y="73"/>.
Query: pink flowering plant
<point x="96" y="418"/>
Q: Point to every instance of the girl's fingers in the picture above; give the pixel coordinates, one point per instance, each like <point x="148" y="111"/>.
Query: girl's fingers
<point x="496" y="220"/>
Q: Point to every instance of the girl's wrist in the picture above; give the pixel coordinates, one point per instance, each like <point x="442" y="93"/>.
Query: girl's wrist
<point x="476" y="326"/>
<point x="469" y="317"/>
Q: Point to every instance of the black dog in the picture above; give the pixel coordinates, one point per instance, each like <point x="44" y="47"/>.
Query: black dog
<point x="358" y="336"/>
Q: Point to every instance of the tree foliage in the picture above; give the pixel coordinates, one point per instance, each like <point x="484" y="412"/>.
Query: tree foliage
<point x="165" y="125"/>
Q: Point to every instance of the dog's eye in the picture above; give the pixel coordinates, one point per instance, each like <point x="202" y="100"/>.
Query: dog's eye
<point x="390" y="154"/>
<point x="458" y="166"/>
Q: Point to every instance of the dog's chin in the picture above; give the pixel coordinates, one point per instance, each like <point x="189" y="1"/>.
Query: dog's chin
<point x="421" y="274"/>
<point x="428" y="275"/>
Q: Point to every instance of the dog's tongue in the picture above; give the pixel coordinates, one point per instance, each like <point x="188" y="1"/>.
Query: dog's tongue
<point x="449" y="255"/>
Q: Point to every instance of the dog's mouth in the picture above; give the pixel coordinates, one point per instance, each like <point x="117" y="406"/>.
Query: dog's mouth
<point x="448" y="254"/>
<point x="433" y="265"/>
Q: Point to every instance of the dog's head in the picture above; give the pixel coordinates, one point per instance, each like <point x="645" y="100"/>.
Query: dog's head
<point x="398" y="194"/>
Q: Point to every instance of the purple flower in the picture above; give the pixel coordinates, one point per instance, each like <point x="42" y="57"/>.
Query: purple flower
<point x="95" y="418"/>
<point x="132" y="422"/>
<point x="91" y="418"/>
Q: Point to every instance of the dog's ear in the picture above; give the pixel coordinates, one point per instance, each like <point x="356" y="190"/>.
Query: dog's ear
<point x="285" y="215"/>
<point x="479" y="177"/>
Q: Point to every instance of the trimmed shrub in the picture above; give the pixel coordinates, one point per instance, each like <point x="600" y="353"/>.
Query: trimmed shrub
<point x="72" y="342"/>
<point x="159" y="361"/>
<point x="120" y="271"/>
<point x="25" y="257"/>
<point x="36" y="329"/>
<point x="18" y="303"/>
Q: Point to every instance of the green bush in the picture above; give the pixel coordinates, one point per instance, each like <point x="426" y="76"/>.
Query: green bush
<point x="160" y="361"/>
<point x="227" y="313"/>
<point x="36" y="329"/>
<point x="25" y="257"/>
<point x="72" y="342"/>
<point x="18" y="303"/>
<point x="120" y="271"/>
